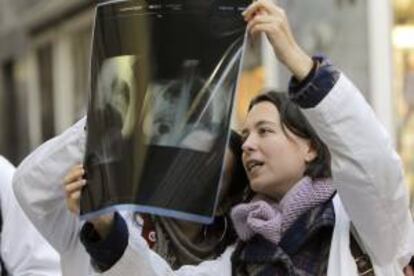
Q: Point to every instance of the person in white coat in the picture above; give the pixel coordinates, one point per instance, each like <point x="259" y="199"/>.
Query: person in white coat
<point x="39" y="187"/>
<point x="37" y="184"/>
<point x="371" y="206"/>
<point x="23" y="251"/>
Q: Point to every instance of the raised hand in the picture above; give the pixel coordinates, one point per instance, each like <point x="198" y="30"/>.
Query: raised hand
<point x="73" y="184"/>
<point x="264" y="16"/>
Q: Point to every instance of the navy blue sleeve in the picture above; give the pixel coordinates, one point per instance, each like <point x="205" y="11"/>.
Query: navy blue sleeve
<point x="317" y="84"/>
<point x="105" y="253"/>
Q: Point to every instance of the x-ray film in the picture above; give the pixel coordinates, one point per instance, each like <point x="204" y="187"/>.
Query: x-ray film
<point x="163" y="81"/>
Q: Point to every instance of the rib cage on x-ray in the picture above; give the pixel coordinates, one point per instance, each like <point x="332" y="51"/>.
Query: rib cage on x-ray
<point x="162" y="87"/>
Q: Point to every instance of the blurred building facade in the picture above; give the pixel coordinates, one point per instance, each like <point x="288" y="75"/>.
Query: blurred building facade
<point x="44" y="53"/>
<point x="45" y="49"/>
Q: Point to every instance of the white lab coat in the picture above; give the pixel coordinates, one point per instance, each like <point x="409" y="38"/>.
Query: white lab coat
<point x="366" y="171"/>
<point x="42" y="173"/>
<point x="38" y="185"/>
<point x="23" y="250"/>
<point x="371" y="191"/>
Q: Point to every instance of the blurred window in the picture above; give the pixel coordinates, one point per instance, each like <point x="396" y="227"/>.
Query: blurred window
<point x="81" y="53"/>
<point x="44" y="56"/>
<point x="8" y="108"/>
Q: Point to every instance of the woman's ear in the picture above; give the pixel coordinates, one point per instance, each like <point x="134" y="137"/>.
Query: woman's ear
<point x="311" y="152"/>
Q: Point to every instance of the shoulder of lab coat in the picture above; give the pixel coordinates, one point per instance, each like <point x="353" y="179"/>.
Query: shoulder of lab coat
<point x="23" y="250"/>
<point x="38" y="186"/>
<point x="367" y="173"/>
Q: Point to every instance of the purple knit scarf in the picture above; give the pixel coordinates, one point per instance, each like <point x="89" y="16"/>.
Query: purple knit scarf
<point x="270" y="219"/>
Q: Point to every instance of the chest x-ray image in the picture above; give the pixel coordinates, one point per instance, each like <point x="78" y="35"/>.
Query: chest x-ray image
<point x="163" y="79"/>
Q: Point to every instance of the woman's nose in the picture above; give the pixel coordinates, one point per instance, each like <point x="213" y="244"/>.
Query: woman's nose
<point x="249" y="144"/>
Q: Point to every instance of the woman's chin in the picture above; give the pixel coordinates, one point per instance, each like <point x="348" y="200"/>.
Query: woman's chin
<point x="257" y="186"/>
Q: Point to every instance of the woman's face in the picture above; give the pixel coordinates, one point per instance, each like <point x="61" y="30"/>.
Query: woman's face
<point x="274" y="162"/>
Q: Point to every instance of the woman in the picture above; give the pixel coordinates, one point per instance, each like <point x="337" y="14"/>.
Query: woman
<point x="295" y="223"/>
<point x="289" y="168"/>
<point x="179" y="242"/>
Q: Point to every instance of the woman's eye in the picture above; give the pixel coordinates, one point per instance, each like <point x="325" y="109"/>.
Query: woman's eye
<point x="265" y="130"/>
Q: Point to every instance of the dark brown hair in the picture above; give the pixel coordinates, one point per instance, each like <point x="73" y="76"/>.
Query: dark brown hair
<point x="291" y="117"/>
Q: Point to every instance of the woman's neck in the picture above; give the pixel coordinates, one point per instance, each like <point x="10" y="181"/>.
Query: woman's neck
<point x="282" y="189"/>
